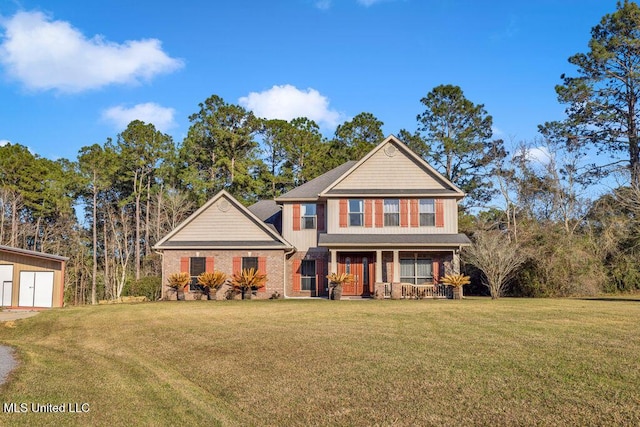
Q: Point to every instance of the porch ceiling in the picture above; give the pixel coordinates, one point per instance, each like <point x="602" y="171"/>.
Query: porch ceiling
<point x="414" y="240"/>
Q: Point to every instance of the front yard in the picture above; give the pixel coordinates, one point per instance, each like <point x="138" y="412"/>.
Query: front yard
<point x="319" y="362"/>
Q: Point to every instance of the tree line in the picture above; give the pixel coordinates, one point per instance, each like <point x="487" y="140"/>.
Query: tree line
<point x="536" y="201"/>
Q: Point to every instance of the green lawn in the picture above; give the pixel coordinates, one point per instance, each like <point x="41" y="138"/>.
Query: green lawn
<point x="470" y="362"/>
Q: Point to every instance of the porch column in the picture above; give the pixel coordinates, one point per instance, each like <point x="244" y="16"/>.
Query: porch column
<point x="396" y="266"/>
<point x="455" y="262"/>
<point x="333" y="267"/>
<point x="378" y="266"/>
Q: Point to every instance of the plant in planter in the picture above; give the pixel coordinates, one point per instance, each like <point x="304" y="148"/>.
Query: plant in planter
<point x="336" y="281"/>
<point x="211" y="281"/>
<point x="247" y="281"/>
<point x="456" y="281"/>
<point x="177" y="282"/>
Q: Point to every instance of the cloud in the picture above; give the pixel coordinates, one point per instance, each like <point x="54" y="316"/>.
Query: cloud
<point x="287" y="102"/>
<point x="326" y="4"/>
<point x="161" y="117"/>
<point x="539" y="155"/>
<point x="496" y="131"/>
<point x="323" y="4"/>
<point x="4" y="142"/>
<point x="367" y="3"/>
<point x="45" y="54"/>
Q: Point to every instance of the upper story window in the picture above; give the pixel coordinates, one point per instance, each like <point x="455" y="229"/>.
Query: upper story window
<point x="356" y="212"/>
<point x="427" y="212"/>
<point x="391" y="212"/>
<point x="308" y="216"/>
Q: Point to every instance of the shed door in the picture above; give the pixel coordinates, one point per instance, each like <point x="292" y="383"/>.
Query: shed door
<point x="6" y="284"/>
<point x="36" y="289"/>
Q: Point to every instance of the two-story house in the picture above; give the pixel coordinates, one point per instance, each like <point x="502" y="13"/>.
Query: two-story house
<point x="388" y="219"/>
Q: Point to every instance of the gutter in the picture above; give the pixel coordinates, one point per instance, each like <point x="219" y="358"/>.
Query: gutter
<point x="162" y="275"/>
<point x="284" y="271"/>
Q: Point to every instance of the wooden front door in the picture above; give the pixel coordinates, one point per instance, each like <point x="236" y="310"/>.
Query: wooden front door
<point x="362" y="266"/>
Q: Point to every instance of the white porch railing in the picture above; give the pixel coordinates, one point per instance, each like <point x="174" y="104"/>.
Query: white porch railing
<point x="411" y="291"/>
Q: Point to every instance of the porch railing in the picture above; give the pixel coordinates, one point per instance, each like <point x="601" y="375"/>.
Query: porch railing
<point x="411" y="291"/>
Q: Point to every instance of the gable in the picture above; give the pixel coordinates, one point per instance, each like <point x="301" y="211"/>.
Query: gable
<point x="222" y="222"/>
<point x="391" y="167"/>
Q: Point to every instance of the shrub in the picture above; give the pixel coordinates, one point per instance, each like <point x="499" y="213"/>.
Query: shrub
<point x="149" y="287"/>
<point x="211" y="280"/>
<point x="248" y="280"/>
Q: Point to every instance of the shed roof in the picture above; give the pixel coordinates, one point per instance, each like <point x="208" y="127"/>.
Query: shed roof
<point x="34" y="254"/>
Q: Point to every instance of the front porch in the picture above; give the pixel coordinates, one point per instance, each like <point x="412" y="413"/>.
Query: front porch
<point x="408" y="273"/>
<point x="411" y="291"/>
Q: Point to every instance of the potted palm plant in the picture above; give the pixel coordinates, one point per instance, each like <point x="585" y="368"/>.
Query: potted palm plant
<point x="456" y="281"/>
<point x="247" y="281"/>
<point x="336" y="281"/>
<point x="177" y="282"/>
<point x="211" y="281"/>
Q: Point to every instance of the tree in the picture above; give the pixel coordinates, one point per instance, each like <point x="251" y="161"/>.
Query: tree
<point x="274" y="136"/>
<point x="359" y="135"/>
<point x="141" y="149"/>
<point x="602" y="101"/>
<point x="220" y="150"/>
<point x="497" y="257"/>
<point x="304" y="143"/>
<point x="96" y="167"/>
<point x="456" y="137"/>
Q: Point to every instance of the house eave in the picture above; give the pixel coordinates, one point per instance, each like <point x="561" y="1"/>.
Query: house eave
<point x="393" y="240"/>
<point x="196" y="245"/>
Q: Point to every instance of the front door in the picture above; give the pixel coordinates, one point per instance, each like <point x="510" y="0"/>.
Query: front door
<point x="362" y="266"/>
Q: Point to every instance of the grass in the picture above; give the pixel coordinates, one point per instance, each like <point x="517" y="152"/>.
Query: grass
<point x="471" y="362"/>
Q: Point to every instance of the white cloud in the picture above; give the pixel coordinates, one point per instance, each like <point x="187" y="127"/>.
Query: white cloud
<point x="539" y="154"/>
<point x="287" y="102"/>
<point x="4" y="142"/>
<point x="368" y="3"/>
<point x="161" y="117"/>
<point x="326" y="4"/>
<point x="45" y="54"/>
<point x="323" y="4"/>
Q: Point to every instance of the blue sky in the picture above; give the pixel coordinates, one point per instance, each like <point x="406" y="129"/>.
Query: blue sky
<point x="74" y="73"/>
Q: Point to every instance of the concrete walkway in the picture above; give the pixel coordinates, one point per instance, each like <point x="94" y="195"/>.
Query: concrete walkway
<point x="7" y="361"/>
<point x="8" y="315"/>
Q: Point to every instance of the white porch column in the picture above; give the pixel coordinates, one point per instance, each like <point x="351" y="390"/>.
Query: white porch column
<point x="333" y="267"/>
<point x="378" y="266"/>
<point x="396" y="266"/>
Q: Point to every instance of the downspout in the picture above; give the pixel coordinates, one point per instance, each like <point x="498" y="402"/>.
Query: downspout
<point x="284" y="271"/>
<point x="162" y="275"/>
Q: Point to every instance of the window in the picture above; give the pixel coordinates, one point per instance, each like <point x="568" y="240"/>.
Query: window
<point x="197" y="266"/>
<point x="427" y="213"/>
<point x="250" y="262"/>
<point x="356" y="213"/>
<point x="416" y="270"/>
<point x="308" y="216"/>
<point x="308" y="275"/>
<point x="391" y="212"/>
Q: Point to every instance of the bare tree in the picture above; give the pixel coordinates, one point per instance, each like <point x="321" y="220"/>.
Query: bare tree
<point x="497" y="256"/>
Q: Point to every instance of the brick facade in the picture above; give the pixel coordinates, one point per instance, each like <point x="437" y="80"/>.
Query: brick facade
<point x="320" y="255"/>
<point x="223" y="261"/>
